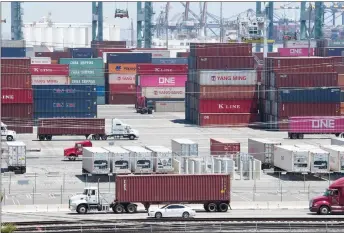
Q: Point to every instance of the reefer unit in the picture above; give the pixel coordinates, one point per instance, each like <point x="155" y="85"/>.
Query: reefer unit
<point x="319" y="158"/>
<point x="262" y="150"/>
<point x="336" y="157"/>
<point x="291" y="158"/>
<point x="184" y="147"/>
<point x="162" y="159"/>
<point x="95" y="160"/>
<point x="16" y="156"/>
<point x="119" y="159"/>
<point x="141" y="159"/>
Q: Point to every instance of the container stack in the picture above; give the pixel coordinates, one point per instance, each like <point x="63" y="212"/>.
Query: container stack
<point x="81" y="52"/>
<point x="303" y="86"/>
<point x="49" y="74"/>
<point x="16" y="108"/>
<point x="222" y="85"/>
<point x="120" y="76"/>
<point x="13" y="48"/>
<point x="65" y="101"/>
<point x="162" y="83"/>
<point x="54" y="56"/>
<point x="87" y="71"/>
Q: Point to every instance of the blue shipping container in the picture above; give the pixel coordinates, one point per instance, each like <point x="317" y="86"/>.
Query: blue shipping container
<point x="317" y="95"/>
<point x="13" y="52"/>
<point x="65" y="105"/>
<point x="64" y="91"/>
<point x="170" y="61"/>
<point x="100" y="91"/>
<point x="81" y="52"/>
<point x="333" y="52"/>
<point x="129" y="58"/>
<point x="37" y="115"/>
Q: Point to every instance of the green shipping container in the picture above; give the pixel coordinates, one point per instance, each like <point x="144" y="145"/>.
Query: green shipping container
<point x="100" y="100"/>
<point x="83" y="63"/>
<point x="86" y="72"/>
<point x="99" y="81"/>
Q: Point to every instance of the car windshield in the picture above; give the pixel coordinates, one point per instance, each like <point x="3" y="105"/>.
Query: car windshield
<point x="327" y="193"/>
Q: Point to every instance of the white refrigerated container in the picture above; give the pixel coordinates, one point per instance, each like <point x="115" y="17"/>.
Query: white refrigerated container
<point x="119" y="160"/>
<point x="162" y="159"/>
<point x="141" y="159"/>
<point x="319" y="158"/>
<point x="15" y="156"/>
<point x="336" y="157"/>
<point x="262" y="150"/>
<point x="291" y="158"/>
<point x="96" y="160"/>
<point x="184" y="147"/>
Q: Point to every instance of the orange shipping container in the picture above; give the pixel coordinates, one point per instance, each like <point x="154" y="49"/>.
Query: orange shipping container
<point x="115" y="68"/>
<point x="54" y="61"/>
<point x="342" y="108"/>
<point x="341" y="81"/>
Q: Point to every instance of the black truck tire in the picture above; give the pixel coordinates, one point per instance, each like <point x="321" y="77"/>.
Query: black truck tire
<point x="212" y="207"/>
<point x="118" y="209"/>
<point x="81" y="209"/>
<point x="48" y="137"/>
<point x="131" y="208"/>
<point x="9" y="138"/>
<point x="41" y="137"/>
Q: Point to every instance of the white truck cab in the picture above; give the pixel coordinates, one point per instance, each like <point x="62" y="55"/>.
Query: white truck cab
<point x="9" y="135"/>
<point x="88" y="200"/>
<point x="121" y="129"/>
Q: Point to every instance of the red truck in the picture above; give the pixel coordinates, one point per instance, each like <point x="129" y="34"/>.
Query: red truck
<point x="74" y="152"/>
<point x="144" y="106"/>
<point x="299" y="126"/>
<point x="213" y="191"/>
<point x="332" y="201"/>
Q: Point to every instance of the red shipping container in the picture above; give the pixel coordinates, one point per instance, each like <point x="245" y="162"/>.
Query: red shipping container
<point x="54" y="55"/>
<point x="108" y="44"/>
<point x="17" y="110"/>
<point x="260" y="55"/>
<point x="122" y="99"/>
<point x="156" y="189"/>
<point x="20" y="125"/>
<point x="300" y="64"/>
<point x="307" y="109"/>
<point x="228" y="120"/>
<point x="16" y="80"/>
<point x="122" y="88"/>
<point x="219" y="63"/>
<point x="50" y="69"/>
<point x="161" y="69"/>
<point x="228" y="106"/>
<point x="183" y="54"/>
<point x="227" y="92"/>
<point x="100" y="51"/>
<point x="17" y="96"/>
<point x="223" y="146"/>
<point x="329" y="79"/>
<point x="15" y="65"/>
<point x="339" y="68"/>
<point x="220" y="49"/>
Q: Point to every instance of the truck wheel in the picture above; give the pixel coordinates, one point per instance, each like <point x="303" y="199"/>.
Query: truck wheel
<point x="158" y="215"/>
<point x="9" y="138"/>
<point x="41" y="137"/>
<point x="49" y="137"/>
<point x="205" y="206"/>
<point x="212" y="207"/>
<point x="131" y="208"/>
<point x="150" y="111"/>
<point x="324" y="210"/>
<point x="223" y="207"/>
<point x="300" y="136"/>
<point x="72" y="157"/>
<point x="118" y="209"/>
<point x="97" y="137"/>
<point x="131" y="137"/>
<point x="293" y="136"/>
<point x="104" y="137"/>
<point x="82" y="209"/>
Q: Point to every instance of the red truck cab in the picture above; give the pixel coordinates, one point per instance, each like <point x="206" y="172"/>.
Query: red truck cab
<point x="332" y="201"/>
<point x="74" y="152"/>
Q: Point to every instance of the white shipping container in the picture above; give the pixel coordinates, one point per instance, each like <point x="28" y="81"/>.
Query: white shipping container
<point x="163" y="92"/>
<point x="162" y="159"/>
<point x="337" y="141"/>
<point x="40" y="60"/>
<point x="15" y="154"/>
<point x="13" y="43"/>
<point x="122" y="79"/>
<point x="262" y="150"/>
<point x="291" y="159"/>
<point x="195" y="166"/>
<point x="120" y="160"/>
<point x="50" y="80"/>
<point x="184" y="147"/>
<point x="96" y="160"/>
<point x="336" y="157"/>
<point x="224" y="78"/>
<point x="299" y="44"/>
<point x="224" y="166"/>
<point x="156" y="53"/>
<point x="170" y="106"/>
<point x="319" y="158"/>
<point x="141" y="159"/>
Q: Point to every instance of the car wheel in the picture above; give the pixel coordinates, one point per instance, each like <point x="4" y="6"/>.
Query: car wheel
<point x="158" y="215"/>
<point x="131" y="137"/>
<point x="186" y="215"/>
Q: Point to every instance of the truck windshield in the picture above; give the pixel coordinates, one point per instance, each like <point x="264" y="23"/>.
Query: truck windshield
<point x="327" y="193"/>
<point x="85" y="192"/>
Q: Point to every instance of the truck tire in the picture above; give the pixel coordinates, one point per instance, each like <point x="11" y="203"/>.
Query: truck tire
<point x="131" y="208"/>
<point x="223" y="207"/>
<point x="72" y="157"/>
<point x="131" y="137"/>
<point x="104" y="137"/>
<point x="293" y="136"/>
<point x="9" y="138"/>
<point x="118" y="209"/>
<point x="300" y="136"/>
<point x="82" y="209"/>
<point x="48" y="137"/>
<point x="97" y="137"/>
<point x="324" y="210"/>
<point x="41" y="137"/>
<point x="205" y="206"/>
<point x="212" y="207"/>
<point x="150" y="111"/>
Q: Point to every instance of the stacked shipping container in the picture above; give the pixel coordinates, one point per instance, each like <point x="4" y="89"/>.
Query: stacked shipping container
<point x="221" y="87"/>
<point x="304" y="86"/>
<point x="16" y="108"/>
<point x="13" y="48"/>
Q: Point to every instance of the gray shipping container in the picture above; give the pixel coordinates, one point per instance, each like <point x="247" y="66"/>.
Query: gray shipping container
<point x="119" y="159"/>
<point x="162" y="159"/>
<point x="170" y="106"/>
<point x="141" y="159"/>
<point x="95" y="160"/>
<point x="184" y="147"/>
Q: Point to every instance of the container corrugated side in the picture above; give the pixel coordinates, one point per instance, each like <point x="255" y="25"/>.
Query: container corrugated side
<point x="316" y="124"/>
<point x="129" y="58"/>
<point x="100" y="100"/>
<point x="65" y="105"/>
<point x="10" y="65"/>
<point x="98" y="81"/>
<point x="119" y="68"/>
<point x="100" y="91"/>
<point x="149" y="69"/>
<point x="13" y="52"/>
<point x="305" y="109"/>
<point x="221" y="146"/>
<point x="40" y="60"/>
<point x="38" y="115"/>
<point x="214" y="78"/>
<point x="17" y="110"/>
<point x="50" y="80"/>
<point x="13" y="43"/>
<point x="162" y="80"/>
<point x="227" y="106"/>
<point x="49" y="69"/>
<point x="20" y="125"/>
<point x="317" y="95"/>
<point x="16" y="80"/>
<point x="301" y="64"/>
<point x="163" y="92"/>
<point x="121" y="99"/>
<point x="65" y="91"/>
<point x="169" y="106"/>
<point x="17" y="96"/>
<point x="54" y="55"/>
<point x="83" y="63"/>
<point x="227" y="92"/>
<point x="122" y="79"/>
<point x="220" y="49"/>
<point x="220" y="63"/>
<point x="329" y="79"/>
<point x="172" y="61"/>
<point x="122" y="88"/>
<point x="229" y="120"/>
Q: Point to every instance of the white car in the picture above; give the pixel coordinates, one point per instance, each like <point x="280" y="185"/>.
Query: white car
<point x="172" y="211"/>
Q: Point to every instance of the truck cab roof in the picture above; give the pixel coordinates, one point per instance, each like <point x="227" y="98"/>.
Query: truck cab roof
<point x="337" y="184"/>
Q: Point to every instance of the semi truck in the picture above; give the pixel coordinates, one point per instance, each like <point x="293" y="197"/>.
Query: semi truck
<point x="144" y="106"/>
<point x="299" y="126"/>
<point x="9" y="135"/>
<point x="157" y="189"/>
<point x="75" y="152"/>
<point x="331" y="202"/>
<point x="88" y="127"/>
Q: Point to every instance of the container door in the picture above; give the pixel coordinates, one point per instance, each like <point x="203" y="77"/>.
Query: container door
<point x="319" y="162"/>
<point x="301" y="162"/>
<point x="193" y="149"/>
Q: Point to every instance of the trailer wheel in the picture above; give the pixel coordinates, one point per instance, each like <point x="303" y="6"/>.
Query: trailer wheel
<point x="205" y="206"/>
<point x="223" y="207"/>
<point x="104" y="137"/>
<point x="293" y="136"/>
<point x="9" y="138"/>
<point x="131" y="137"/>
<point x="212" y="207"/>
<point x="97" y="137"/>
<point x="300" y="136"/>
<point x="72" y="157"/>
<point x="87" y="135"/>
<point x="82" y="209"/>
<point x="150" y="111"/>
<point x="118" y="209"/>
<point x="131" y="208"/>
<point x="324" y="210"/>
<point x="41" y="137"/>
<point x="49" y="137"/>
